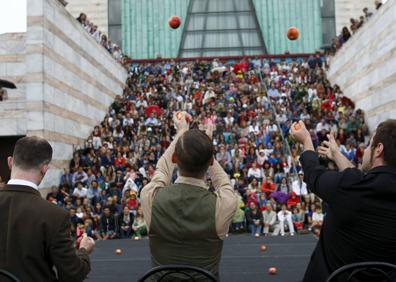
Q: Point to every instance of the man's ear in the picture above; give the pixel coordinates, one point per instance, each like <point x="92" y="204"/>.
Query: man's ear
<point x="10" y="162"/>
<point x="43" y="169"/>
<point x="211" y="161"/>
<point x="174" y="158"/>
<point x="379" y="151"/>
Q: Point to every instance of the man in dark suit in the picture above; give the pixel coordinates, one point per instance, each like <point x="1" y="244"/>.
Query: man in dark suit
<point x="360" y="224"/>
<point x="35" y="241"/>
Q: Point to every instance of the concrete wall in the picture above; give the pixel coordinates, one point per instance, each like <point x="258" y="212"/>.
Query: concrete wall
<point x="13" y="68"/>
<point x="365" y="67"/>
<point x="66" y="82"/>
<point x="96" y="10"/>
<point x="347" y="9"/>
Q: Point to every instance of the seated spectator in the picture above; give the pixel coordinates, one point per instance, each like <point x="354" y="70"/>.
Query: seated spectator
<point x="255" y="172"/>
<point x="262" y="201"/>
<point x="292" y="201"/>
<point x="125" y="221"/>
<point x="56" y="196"/>
<point x="269" y="219"/>
<point x="284" y="218"/>
<point x="317" y="220"/>
<point x="224" y="158"/>
<point x="107" y="225"/>
<point x="349" y="152"/>
<point x="238" y="221"/>
<point x="298" y="218"/>
<point x="80" y="191"/>
<point x="299" y="187"/>
<point x="254" y="219"/>
<point x="254" y="186"/>
<point x="3" y="94"/>
<point x="268" y="186"/>
<point x="75" y="220"/>
<point x="367" y="14"/>
<point x="139" y="226"/>
<point x="284" y="186"/>
<point x="80" y="176"/>
<point x="354" y="25"/>
<point x="378" y="4"/>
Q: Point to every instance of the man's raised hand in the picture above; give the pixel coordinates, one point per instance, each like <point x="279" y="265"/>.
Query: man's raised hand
<point x="182" y="121"/>
<point x="329" y="148"/>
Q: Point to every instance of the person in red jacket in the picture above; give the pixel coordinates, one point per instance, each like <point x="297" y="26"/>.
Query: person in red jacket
<point x="293" y="200"/>
<point x="268" y="186"/>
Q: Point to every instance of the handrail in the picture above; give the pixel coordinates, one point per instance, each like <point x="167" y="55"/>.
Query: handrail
<point x="224" y="58"/>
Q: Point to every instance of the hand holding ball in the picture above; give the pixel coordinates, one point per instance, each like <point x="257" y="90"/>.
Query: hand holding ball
<point x="118" y="252"/>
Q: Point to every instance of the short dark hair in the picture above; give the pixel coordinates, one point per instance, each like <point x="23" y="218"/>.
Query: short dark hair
<point x="386" y="135"/>
<point x="194" y="150"/>
<point x="31" y="152"/>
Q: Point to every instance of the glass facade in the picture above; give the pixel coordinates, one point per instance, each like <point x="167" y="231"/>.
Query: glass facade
<point x="115" y="21"/>
<point x="222" y="27"/>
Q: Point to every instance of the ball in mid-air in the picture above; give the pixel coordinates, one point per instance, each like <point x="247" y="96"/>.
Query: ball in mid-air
<point x="174" y="22"/>
<point x="292" y="33"/>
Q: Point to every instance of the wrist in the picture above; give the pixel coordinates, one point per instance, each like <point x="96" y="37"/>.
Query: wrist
<point x="308" y="145"/>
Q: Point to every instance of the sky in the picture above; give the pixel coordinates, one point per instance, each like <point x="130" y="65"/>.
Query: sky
<point x="12" y="16"/>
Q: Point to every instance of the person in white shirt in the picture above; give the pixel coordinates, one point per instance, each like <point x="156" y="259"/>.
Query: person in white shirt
<point x="261" y="157"/>
<point x="229" y="119"/>
<point x="128" y="121"/>
<point x="255" y="172"/>
<point x="80" y="191"/>
<point x="317" y="220"/>
<point x="284" y="217"/>
<point x="254" y="128"/>
<point x="299" y="186"/>
<point x="322" y="125"/>
<point x="152" y="120"/>
<point x="209" y="95"/>
<point x="269" y="219"/>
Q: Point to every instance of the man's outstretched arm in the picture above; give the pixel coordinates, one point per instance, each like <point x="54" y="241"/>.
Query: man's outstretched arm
<point x="165" y="167"/>
<point x="227" y="200"/>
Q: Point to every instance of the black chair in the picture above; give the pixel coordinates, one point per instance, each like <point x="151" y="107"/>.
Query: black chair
<point x="185" y="270"/>
<point x="9" y="275"/>
<point x="382" y="270"/>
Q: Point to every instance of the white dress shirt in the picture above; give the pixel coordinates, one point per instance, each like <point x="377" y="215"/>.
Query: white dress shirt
<point x="22" y="182"/>
<point x="300" y="188"/>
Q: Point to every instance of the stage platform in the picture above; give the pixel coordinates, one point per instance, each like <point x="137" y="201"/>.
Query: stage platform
<point x="242" y="259"/>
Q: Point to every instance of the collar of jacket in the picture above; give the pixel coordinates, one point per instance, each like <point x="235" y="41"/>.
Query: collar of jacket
<point x="21" y="188"/>
<point x="191" y="181"/>
<point x="383" y="169"/>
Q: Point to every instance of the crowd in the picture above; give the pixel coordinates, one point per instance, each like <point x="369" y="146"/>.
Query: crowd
<point x="252" y="105"/>
<point x="101" y="38"/>
<point x="346" y="33"/>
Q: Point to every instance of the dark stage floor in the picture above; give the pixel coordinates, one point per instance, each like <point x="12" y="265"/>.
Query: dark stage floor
<point x="242" y="259"/>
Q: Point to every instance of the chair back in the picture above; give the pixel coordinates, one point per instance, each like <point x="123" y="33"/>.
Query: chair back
<point x="382" y="271"/>
<point x="160" y="273"/>
<point x="9" y="275"/>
